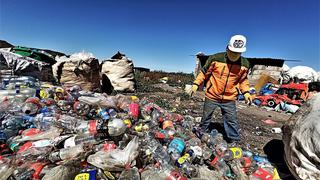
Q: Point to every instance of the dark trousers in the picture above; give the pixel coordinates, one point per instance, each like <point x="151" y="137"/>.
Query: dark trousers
<point x="229" y="116"/>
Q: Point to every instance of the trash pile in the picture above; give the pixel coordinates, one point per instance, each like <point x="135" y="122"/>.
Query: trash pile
<point x="52" y="132"/>
<point x="286" y="97"/>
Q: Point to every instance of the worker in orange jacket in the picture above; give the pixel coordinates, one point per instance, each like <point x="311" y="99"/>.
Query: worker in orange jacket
<point x="224" y="75"/>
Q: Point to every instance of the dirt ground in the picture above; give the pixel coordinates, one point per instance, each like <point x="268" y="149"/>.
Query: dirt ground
<point x="255" y="133"/>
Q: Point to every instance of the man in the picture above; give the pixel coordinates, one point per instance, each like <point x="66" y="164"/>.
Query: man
<point x="224" y="74"/>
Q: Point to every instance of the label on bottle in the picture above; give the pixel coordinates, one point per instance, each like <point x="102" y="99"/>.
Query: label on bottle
<point x="42" y="143"/>
<point x="263" y="174"/>
<point x="237" y="152"/>
<point x="134" y="110"/>
<point x="183" y="159"/>
<point x="82" y="176"/>
<point x="93" y="127"/>
<point x="14" y="146"/>
<point x="109" y="175"/>
<point x="167" y="124"/>
<point x="177" y="145"/>
<point x="175" y="175"/>
<point x="90" y="175"/>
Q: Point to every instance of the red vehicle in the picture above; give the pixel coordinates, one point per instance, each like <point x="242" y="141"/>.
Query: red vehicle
<point x="292" y="93"/>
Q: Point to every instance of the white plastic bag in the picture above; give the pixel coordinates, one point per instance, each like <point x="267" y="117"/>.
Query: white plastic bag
<point x="117" y="159"/>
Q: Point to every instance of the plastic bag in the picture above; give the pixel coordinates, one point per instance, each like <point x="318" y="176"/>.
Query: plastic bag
<point x="117" y="159"/>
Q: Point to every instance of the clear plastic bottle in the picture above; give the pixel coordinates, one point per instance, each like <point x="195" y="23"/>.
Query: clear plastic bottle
<point x="132" y="174"/>
<point x="67" y="153"/>
<point x="43" y="121"/>
<point x="169" y="173"/>
<point x="160" y="154"/>
<point x="189" y="169"/>
<point x="169" y="127"/>
<point x="112" y="112"/>
<point x="219" y="164"/>
<point x="51" y="133"/>
<point x="232" y="153"/>
<point x="5" y="171"/>
<point x="80" y="139"/>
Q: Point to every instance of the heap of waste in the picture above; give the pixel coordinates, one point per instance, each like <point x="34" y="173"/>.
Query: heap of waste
<point x="54" y="132"/>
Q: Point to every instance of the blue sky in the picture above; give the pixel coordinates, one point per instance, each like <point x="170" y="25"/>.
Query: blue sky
<point x="162" y="34"/>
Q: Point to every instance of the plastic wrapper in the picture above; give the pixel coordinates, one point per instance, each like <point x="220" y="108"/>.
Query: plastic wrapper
<point x="117" y="159"/>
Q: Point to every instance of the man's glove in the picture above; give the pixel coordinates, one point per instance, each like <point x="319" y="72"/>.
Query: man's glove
<point x="247" y="98"/>
<point x="193" y="89"/>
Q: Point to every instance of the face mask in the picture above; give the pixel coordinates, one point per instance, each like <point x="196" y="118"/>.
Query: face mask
<point x="233" y="56"/>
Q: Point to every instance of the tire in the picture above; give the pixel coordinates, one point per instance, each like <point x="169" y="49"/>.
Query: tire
<point x="271" y="103"/>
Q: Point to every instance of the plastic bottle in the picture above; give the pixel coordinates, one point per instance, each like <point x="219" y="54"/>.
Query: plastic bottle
<point x="169" y="127"/>
<point x="134" y="110"/>
<point x="67" y="153"/>
<point x="177" y="145"/>
<point x="260" y="159"/>
<point x="5" y="171"/>
<point x="61" y="172"/>
<point x="116" y="127"/>
<point x="163" y="136"/>
<point x="88" y="174"/>
<point x="156" y="116"/>
<point x="132" y="174"/>
<point x="31" y="106"/>
<point x="189" y="169"/>
<point x="160" y="154"/>
<point x="103" y="113"/>
<point x="81" y="108"/>
<point x="13" y="144"/>
<point x="51" y="133"/>
<point x="187" y="157"/>
<point x="79" y="139"/>
<point x="232" y="153"/>
<point x="219" y="164"/>
<point x="106" y="146"/>
<point x="169" y="173"/>
<point x="262" y="174"/>
<point x="43" y="121"/>
<point x="112" y="112"/>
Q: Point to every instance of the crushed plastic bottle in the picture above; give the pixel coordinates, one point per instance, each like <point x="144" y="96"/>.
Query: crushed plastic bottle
<point x="68" y="153"/>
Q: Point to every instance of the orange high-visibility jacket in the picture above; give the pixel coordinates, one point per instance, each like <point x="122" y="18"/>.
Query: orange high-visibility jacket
<point x="223" y="78"/>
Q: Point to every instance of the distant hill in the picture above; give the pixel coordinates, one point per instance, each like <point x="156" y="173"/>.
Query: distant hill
<point x="5" y="44"/>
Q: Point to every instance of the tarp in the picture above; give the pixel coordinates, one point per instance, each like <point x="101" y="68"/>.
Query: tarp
<point x="21" y="66"/>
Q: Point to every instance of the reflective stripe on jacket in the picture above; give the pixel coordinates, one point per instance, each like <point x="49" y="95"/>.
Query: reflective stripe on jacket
<point x="223" y="77"/>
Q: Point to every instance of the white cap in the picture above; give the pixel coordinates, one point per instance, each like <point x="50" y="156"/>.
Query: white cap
<point x="237" y="43"/>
